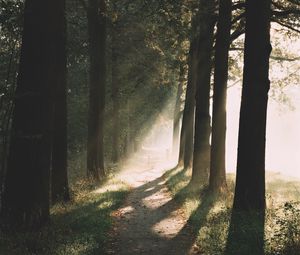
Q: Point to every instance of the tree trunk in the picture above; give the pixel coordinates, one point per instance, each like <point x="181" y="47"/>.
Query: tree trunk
<point x="26" y="189"/>
<point x="115" y="98"/>
<point x="59" y="172"/>
<point x="250" y="181"/>
<point x="187" y="127"/>
<point x="249" y="199"/>
<point x="128" y="137"/>
<point x="177" y="114"/>
<point x="202" y="117"/>
<point x="217" y="179"/>
<point x="97" y="43"/>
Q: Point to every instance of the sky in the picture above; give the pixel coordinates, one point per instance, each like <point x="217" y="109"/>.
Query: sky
<point x="283" y="133"/>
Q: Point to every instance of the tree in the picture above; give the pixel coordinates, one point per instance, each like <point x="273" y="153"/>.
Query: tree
<point x="177" y="112"/>
<point x="249" y="199"/>
<point x="26" y="189"/>
<point x="202" y="116"/>
<point x="9" y="59"/>
<point x="188" y="118"/>
<point x="217" y="178"/>
<point x="115" y="94"/>
<point x="97" y="43"/>
<point x="250" y="182"/>
<point x="59" y="173"/>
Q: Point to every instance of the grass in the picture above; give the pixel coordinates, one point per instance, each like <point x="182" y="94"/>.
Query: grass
<point x="79" y="227"/>
<point x="210" y="217"/>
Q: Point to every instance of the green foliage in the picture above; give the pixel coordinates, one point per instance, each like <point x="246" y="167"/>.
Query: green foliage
<point x="78" y="64"/>
<point x="146" y="67"/>
<point x="10" y="37"/>
<point x="285" y="238"/>
<point x="152" y="43"/>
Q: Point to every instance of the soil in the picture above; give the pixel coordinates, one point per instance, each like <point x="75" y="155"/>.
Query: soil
<point x="150" y="221"/>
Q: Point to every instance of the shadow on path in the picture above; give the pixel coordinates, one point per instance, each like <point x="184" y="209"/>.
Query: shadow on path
<point x="151" y="222"/>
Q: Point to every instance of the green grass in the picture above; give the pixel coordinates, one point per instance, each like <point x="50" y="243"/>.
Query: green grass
<point x="210" y="216"/>
<point x="79" y="227"/>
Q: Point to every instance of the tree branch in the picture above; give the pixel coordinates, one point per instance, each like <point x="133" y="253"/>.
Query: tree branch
<point x="286" y="25"/>
<point x="285" y="13"/>
<point x="274" y="57"/>
<point x="237" y="18"/>
<point x="236" y="34"/>
<point x="239" y="5"/>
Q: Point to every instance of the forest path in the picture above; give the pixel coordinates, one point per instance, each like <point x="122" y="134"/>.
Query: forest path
<point x="149" y="222"/>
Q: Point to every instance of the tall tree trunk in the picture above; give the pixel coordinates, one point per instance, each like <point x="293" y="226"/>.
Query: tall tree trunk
<point x="217" y="178"/>
<point x="202" y="117"/>
<point x="26" y="189"/>
<point x="187" y="127"/>
<point x="249" y="198"/>
<point x="6" y="109"/>
<point x="250" y="180"/>
<point x="115" y="97"/>
<point x="59" y="172"/>
<point x="127" y="138"/>
<point x="177" y="114"/>
<point x="97" y="43"/>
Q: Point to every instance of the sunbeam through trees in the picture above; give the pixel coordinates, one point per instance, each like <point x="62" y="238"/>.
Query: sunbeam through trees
<point x="149" y="127"/>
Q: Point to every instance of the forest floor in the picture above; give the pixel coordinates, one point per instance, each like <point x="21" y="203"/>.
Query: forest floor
<point x="150" y="221"/>
<point x="147" y="207"/>
<point x="163" y="215"/>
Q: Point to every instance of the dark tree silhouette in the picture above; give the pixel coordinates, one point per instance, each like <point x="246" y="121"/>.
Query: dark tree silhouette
<point x="177" y="112"/>
<point x="250" y="182"/>
<point x="186" y="144"/>
<point x="187" y="128"/>
<point x="247" y="224"/>
<point x="202" y="117"/>
<point x="217" y="178"/>
<point x="26" y="191"/>
<point x="59" y="174"/>
<point x="115" y="95"/>
<point x="97" y="43"/>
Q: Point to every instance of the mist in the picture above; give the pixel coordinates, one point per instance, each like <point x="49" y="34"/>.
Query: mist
<point x="282" y="139"/>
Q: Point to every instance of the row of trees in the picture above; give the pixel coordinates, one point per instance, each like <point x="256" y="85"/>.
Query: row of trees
<point x="208" y="161"/>
<point x="230" y="26"/>
<point x="38" y="123"/>
<point x="37" y="156"/>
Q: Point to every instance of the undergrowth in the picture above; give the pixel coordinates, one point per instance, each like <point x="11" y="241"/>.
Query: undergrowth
<point x="78" y="227"/>
<point x="210" y="217"/>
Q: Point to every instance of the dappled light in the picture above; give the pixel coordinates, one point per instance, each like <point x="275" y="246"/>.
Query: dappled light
<point x="149" y="127"/>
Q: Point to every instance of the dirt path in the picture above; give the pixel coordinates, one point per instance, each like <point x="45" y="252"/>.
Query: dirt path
<point x="150" y="222"/>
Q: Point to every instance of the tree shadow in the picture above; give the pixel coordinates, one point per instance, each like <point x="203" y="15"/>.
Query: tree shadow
<point x="246" y="233"/>
<point x="143" y="227"/>
<point x="78" y="228"/>
<point x="86" y="226"/>
<point x="189" y="233"/>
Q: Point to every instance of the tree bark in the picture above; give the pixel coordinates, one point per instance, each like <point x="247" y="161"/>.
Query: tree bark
<point x="177" y="114"/>
<point x="217" y="178"/>
<point x="26" y="189"/>
<point x="202" y="116"/>
<point x="250" y="180"/>
<point x="97" y="43"/>
<point x="115" y="98"/>
<point x="59" y="171"/>
<point x="187" y="127"/>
